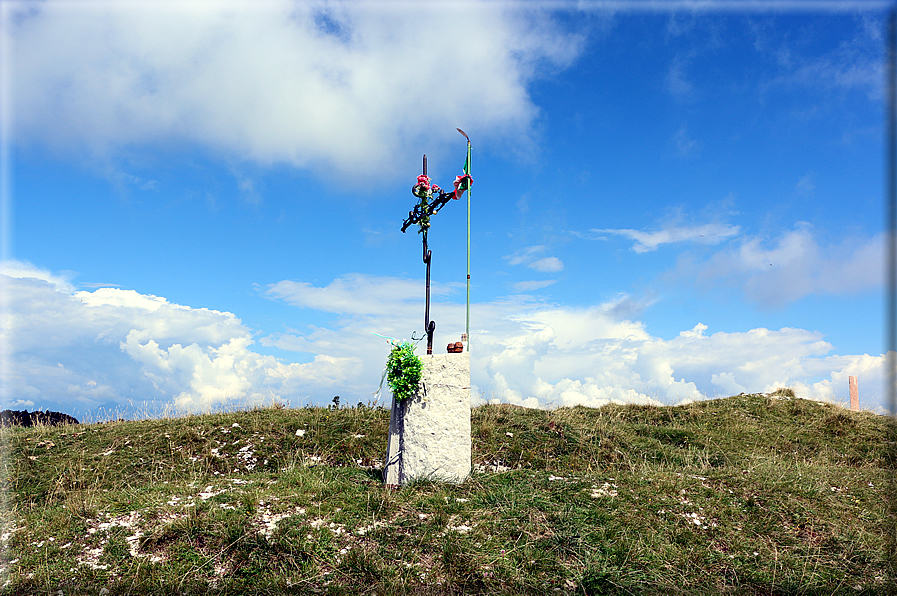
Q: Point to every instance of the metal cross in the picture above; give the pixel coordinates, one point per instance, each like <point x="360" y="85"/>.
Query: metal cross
<point x="421" y="215"/>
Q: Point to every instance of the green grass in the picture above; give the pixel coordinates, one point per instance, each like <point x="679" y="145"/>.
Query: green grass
<point x="752" y="494"/>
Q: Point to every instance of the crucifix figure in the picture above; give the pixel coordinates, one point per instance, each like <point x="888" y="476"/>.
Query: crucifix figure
<point x="432" y="199"/>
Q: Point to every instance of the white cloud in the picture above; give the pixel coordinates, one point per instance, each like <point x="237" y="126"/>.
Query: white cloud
<point x="205" y="377"/>
<point x="25" y="270"/>
<point x="340" y="86"/>
<point x="565" y="356"/>
<point x="855" y="64"/>
<point x="20" y="403"/>
<point x="805" y="187"/>
<point x="367" y="310"/>
<point x="97" y="285"/>
<point x="685" y="145"/>
<point x="648" y="241"/>
<point x="528" y="256"/>
<point x="525" y="255"/>
<point x="355" y="294"/>
<point x="547" y="265"/>
<point x="529" y="286"/>
<point x="697" y="331"/>
<point x="677" y="83"/>
<point x="534" y="353"/>
<point x="726" y="382"/>
<point x="114" y="345"/>
<point x="794" y="265"/>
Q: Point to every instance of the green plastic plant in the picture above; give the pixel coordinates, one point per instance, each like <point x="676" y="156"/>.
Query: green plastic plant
<point x="403" y="370"/>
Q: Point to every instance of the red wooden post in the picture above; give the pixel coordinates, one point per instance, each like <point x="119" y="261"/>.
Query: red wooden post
<point x="854" y="394"/>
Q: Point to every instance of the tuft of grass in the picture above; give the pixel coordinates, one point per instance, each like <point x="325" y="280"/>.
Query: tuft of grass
<point x="753" y="494"/>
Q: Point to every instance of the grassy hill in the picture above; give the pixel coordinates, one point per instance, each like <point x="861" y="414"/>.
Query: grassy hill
<point x="755" y="494"/>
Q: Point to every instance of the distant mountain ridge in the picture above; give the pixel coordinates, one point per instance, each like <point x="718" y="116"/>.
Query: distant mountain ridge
<point x="24" y="418"/>
<point x="85" y="413"/>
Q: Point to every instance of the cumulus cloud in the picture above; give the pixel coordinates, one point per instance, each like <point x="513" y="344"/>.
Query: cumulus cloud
<point x="86" y="348"/>
<point x="775" y="272"/>
<point x="537" y="354"/>
<point x="713" y="233"/>
<point x="90" y="348"/>
<point x="340" y="86"/>
<point x="25" y="270"/>
<point x="621" y="363"/>
<point x="203" y="377"/>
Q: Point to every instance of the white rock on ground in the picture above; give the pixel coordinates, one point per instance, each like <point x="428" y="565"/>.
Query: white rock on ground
<point x="429" y="434"/>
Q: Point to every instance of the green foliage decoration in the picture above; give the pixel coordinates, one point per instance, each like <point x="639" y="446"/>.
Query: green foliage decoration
<point x="403" y="370"/>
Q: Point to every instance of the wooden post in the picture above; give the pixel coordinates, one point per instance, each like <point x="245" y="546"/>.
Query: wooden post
<point x="854" y="394"/>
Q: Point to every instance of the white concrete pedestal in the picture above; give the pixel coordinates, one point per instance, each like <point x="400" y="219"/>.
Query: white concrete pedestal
<point x="429" y="434"/>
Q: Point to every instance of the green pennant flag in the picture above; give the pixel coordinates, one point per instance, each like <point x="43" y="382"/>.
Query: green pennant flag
<point x="463" y="183"/>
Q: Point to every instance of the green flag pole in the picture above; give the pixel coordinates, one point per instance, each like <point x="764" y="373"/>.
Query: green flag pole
<point x="469" y="187"/>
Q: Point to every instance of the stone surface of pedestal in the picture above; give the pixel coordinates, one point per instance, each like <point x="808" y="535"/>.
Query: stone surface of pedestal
<point x="429" y="434"/>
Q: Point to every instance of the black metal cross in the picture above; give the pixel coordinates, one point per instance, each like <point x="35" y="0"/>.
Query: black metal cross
<point x="421" y="215"/>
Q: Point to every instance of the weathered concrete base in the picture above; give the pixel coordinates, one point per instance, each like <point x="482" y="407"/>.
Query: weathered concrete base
<point x="429" y="434"/>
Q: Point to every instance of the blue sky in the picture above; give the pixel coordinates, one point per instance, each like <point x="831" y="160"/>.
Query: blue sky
<point x="202" y="202"/>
